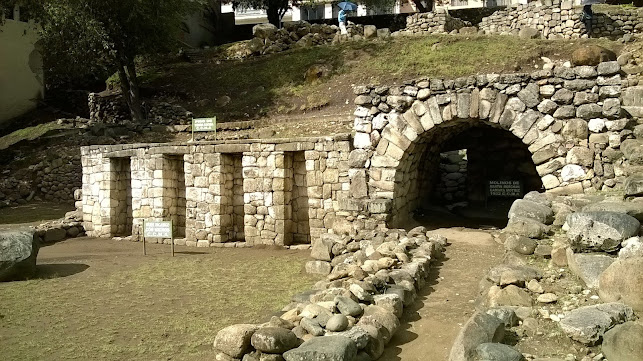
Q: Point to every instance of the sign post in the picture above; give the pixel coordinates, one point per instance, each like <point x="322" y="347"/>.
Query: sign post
<point x="158" y="229"/>
<point x="204" y="125"/>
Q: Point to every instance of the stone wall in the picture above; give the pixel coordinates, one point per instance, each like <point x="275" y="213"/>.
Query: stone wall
<point x="570" y="120"/>
<point x="110" y="107"/>
<point x="51" y="180"/>
<point x="452" y="184"/>
<point x="556" y="19"/>
<point x="433" y="22"/>
<point x="279" y="192"/>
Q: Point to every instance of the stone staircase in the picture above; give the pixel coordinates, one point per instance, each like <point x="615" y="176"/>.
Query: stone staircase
<point x="632" y="101"/>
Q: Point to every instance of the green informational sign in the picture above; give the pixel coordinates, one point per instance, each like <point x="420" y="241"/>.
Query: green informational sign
<point x="204" y="124"/>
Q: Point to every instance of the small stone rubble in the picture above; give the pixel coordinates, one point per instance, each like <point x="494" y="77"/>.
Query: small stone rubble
<point x="352" y="313"/>
<point x="575" y="268"/>
<point x="111" y="108"/>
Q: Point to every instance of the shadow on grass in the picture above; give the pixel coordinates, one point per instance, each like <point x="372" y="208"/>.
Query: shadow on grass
<point x="58" y="270"/>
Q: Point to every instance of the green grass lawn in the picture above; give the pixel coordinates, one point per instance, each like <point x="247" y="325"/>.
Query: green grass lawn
<point x="159" y="308"/>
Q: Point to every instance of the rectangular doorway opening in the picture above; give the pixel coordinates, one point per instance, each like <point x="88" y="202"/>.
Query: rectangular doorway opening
<point x="121" y="195"/>
<point x="232" y="203"/>
<point x="299" y="220"/>
<point x="174" y="192"/>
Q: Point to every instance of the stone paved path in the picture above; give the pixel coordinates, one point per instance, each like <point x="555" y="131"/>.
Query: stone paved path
<point x="430" y="326"/>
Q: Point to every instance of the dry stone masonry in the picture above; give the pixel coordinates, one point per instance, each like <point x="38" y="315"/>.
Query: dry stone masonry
<point x="560" y="19"/>
<point x="569" y="119"/>
<point x="561" y="129"/>
<point x="110" y="107"/>
<point x="438" y="22"/>
<point x="274" y="192"/>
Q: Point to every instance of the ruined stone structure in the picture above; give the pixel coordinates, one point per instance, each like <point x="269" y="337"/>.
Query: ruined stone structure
<point x="556" y="19"/>
<point x="276" y="192"/>
<point x="559" y="129"/>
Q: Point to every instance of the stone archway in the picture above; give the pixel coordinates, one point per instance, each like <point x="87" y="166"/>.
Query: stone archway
<point x="569" y="120"/>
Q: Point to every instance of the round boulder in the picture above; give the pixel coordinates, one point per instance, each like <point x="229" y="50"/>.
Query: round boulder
<point x="622" y="281"/>
<point x="592" y="55"/>
<point x="274" y="340"/>
<point x="624" y="342"/>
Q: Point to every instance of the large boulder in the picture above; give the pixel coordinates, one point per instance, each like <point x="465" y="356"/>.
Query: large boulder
<point x="326" y="348"/>
<point x="264" y="31"/>
<point x="533" y="210"/>
<point x="480" y="328"/>
<point x="588" y="266"/>
<point x="600" y="231"/>
<point x="526" y="227"/>
<point x="592" y="55"/>
<point x="234" y="340"/>
<point x="634" y="209"/>
<point x="274" y="340"/>
<point x="588" y="324"/>
<point x="633" y="151"/>
<point x="624" y="342"/>
<point x="634" y="185"/>
<point x="18" y="252"/>
<point x="529" y="33"/>
<point x="622" y="281"/>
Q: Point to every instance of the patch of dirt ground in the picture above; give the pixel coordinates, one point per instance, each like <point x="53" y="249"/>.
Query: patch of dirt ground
<point x="99" y="299"/>
<point x="429" y="326"/>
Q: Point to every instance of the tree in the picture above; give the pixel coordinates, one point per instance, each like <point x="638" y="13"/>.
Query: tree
<point x="118" y="30"/>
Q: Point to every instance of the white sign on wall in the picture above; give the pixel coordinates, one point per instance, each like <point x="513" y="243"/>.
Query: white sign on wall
<point x="157" y="229"/>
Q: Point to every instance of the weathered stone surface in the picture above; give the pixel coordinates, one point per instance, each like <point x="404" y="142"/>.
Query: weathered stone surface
<point x="588" y="267"/>
<point x="633" y="150"/>
<point x="602" y="231"/>
<point x="54" y="235"/>
<point x="273" y="340"/>
<point x="337" y="323"/>
<point x="634" y="185"/>
<point x="264" y="31"/>
<point x="592" y="55"/>
<point x="327" y="348"/>
<point x="634" y="209"/>
<point x="622" y="281"/>
<point x="379" y="315"/>
<point x="520" y="244"/>
<point x="506" y="314"/>
<point x="588" y="324"/>
<point x="533" y="210"/>
<point x="509" y="296"/>
<point x="347" y="306"/>
<point x="358" y="335"/>
<point x="632" y="247"/>
<point x="496" y="352"/>
<point x="234" y="340"/>
<point x="624" y="342"/>
<point x="510" y="274"/>
<point x="318" y="267"/>
<point x="480" y="328"/>
<point x="526" y="227"/>
<point x="18" y="253"/>
<point x="322" y="247"/>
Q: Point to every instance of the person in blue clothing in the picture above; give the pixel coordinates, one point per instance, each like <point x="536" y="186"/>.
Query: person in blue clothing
<point x="342" y="22"/>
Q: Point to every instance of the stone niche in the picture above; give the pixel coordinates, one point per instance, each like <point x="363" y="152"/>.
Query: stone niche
<point x="243" y="193"/>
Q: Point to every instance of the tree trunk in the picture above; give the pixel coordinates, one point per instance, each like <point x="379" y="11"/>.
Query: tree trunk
<point x="273" y="16"/>
<point x="419" y="6"/>
<point x="129" y="87"/>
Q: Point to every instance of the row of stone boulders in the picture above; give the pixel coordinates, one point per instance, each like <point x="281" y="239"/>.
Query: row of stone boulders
<point x="71" y="226"/>
<point x="352" y="313"/>
<point x="597" y="237"/>
<point x="268" y="39"/>
<point x="554" y="19"/>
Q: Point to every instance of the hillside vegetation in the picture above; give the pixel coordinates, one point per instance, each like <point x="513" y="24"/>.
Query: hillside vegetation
<point x="275" y="85"/>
